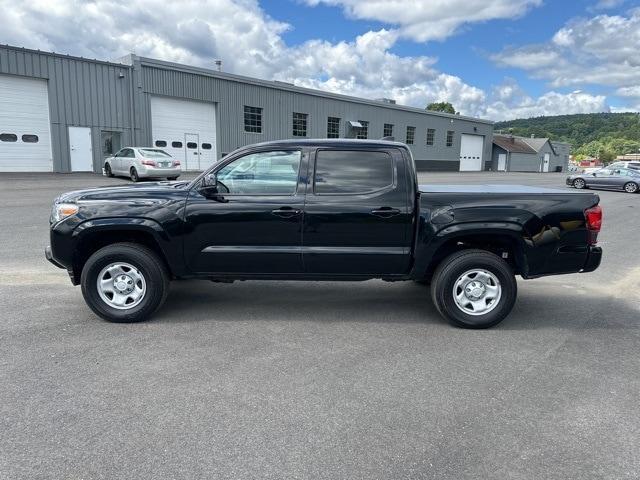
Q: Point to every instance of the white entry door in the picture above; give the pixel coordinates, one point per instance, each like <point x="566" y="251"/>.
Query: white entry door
<point x="471" y="147"/>
<point x="192" y="152"/>
<point x="80" y="149"/>
<point x="502" y="162"/>
<point x="545" y="163"/>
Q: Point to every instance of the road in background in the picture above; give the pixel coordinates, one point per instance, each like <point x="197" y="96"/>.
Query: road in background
<point x="338" y="380"/>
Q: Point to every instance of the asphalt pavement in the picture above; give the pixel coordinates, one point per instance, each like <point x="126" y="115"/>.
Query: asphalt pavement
<point x="310" y="380"/>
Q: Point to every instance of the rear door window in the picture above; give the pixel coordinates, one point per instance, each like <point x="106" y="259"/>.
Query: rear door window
<point x="352" y="172"/>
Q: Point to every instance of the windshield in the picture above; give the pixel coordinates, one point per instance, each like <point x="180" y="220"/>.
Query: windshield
<point x="153" y="153"/>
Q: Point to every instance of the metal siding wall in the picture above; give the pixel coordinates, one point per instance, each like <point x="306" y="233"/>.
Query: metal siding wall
<point x="84" y="93"/>
<point x="278" y="107"/>
<point x="524" y="162"/>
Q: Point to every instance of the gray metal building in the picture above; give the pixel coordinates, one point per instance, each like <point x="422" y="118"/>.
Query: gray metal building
<point x="61" y="113"/>
<point x="528" y="154"/>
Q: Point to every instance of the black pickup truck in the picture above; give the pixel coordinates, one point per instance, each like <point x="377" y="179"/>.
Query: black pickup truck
<point x="321" y="210"/>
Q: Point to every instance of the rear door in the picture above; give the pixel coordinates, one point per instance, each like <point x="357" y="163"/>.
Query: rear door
<point x="357" y="217"/>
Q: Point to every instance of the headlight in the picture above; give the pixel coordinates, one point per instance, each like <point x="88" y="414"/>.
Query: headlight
<point x="63" y="210"/>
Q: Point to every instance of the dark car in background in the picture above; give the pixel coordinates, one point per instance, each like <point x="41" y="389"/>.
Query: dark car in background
<point x="610" y="178"/>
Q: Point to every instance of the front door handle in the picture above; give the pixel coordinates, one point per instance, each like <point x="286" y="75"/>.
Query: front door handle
<point x="385" y="212"/>
<point x="286" y="212"/>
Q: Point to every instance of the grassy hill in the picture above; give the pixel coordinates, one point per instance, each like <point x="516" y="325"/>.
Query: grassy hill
<point x="602" y="135"/>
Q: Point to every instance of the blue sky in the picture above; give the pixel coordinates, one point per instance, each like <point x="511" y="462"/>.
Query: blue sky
<point x="464" y="54"/>
<point x="496" y="59"/>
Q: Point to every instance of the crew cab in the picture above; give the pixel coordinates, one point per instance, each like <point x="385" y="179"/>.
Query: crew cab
<point x="321" y="210"/>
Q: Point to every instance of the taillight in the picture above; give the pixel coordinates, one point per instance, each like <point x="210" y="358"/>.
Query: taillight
<point x="176" y="163"/>
<point x="150" y="163"/>
<point x="593" y="217"/>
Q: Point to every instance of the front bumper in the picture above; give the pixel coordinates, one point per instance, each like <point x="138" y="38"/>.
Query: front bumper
<point x="594" y="256"/>
<point x="49" y="256"/>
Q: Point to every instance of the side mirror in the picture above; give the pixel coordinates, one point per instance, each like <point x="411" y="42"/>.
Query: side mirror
<point x="209" y="185"/>
<point x="594" y="174"/>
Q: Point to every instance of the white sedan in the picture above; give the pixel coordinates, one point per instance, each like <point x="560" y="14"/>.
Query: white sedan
<point x="141" y="162"/>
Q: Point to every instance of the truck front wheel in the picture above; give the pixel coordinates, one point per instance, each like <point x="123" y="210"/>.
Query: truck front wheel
<point x="124" y="282"/>
<point x="474" y="289"/>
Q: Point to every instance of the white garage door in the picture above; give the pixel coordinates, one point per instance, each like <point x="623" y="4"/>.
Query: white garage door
<point x="471" y="147"/>
<point x="186" y="129"/>
<point x="25" y="137"/>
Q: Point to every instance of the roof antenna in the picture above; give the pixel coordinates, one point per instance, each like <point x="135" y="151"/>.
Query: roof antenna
<point x="218" y="65"/>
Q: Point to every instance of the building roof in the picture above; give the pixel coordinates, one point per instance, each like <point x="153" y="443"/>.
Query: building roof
<point x="279" y="85"/>
<point x="512" y="144"/>
<point x="537" y="142"/>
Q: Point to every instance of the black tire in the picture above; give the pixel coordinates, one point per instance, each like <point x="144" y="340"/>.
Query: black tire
<point x="133" y="173"/>
<point x="150" y="266"/>
<point x="172" y="178"/>
<point x="457" y="264"/>
<point x="107" y="170"/>
<point x="631" y="187"/>
<point x="579" y="183"/>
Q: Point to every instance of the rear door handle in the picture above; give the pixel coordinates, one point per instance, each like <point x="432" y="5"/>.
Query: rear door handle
<point x="385" y="212"/>
<point x="286" y="212"/>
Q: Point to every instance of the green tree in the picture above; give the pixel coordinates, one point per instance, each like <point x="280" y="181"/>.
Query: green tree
<point x="445" y="107"/>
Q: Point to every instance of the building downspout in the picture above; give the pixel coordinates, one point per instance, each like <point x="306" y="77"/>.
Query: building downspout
<point x="132" y="114"/>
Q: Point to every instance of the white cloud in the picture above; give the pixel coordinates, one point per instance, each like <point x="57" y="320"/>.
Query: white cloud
<point x="607" y="4"/>
<point x="510" y="101"/>
<point x="602" y="50"/>
<point x="433" y="19"/>
<point x="250" y="43"/>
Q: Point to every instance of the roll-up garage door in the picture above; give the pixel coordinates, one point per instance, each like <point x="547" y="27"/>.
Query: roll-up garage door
<point x="25" y="135"/>
<point x="185" y="129"/>
<point x="471" y="147"/>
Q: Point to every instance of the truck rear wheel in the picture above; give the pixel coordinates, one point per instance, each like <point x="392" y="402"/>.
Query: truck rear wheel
<point x="124" y="282"/>
<point x="474" y="289"/>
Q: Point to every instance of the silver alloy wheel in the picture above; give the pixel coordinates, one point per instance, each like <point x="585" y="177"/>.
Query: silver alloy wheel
<point x="578" y="183"/>
<point x="630" y="187"/>
<point x="477" y="292"/>
<point x="121" y="285"/>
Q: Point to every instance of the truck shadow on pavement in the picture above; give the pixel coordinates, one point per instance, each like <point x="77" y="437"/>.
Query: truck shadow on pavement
<point x="540" y="305"/>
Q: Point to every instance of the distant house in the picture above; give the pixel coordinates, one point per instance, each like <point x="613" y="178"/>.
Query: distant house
<point x="522" y="154"/>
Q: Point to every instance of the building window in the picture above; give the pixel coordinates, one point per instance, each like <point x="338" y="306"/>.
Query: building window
<point x="161" y="143"/>
<point x="411" y="135"/>
<point x="192" y="145"/>
<point x="333" y="127"/>
<point x="252" y="119"/>
<point x="431" y="136"/>
<point x="387" y="131"/>
<point x="29" y="138"/>
<point x="206" y="146"/>
<point x="8" y="137"/>
<point x="450" y="138"/>
<point x="299" y="124"/>
<point x="176" y="144"/>
<point x="363" y="133"/>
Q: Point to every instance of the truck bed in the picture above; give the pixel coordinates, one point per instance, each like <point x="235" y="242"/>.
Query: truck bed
<point x="493" y="188"/>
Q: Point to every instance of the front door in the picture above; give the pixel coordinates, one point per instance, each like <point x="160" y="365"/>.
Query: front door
<point x="545" y="163"/>
<point x="502" y="162"/>
<point x="192" y="152"/>
<point x="254" y="224"/>
<point x="80" y="149"/>
<point x="358" y="216"/>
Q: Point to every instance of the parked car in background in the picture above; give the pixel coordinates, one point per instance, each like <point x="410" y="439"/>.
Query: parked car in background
<point x="635" y="165"/>
<point x="142" y="162"/>
<point x="609" y="178"/>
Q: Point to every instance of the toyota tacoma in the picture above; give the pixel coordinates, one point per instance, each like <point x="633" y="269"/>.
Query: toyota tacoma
<point x="321" y="210"/>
